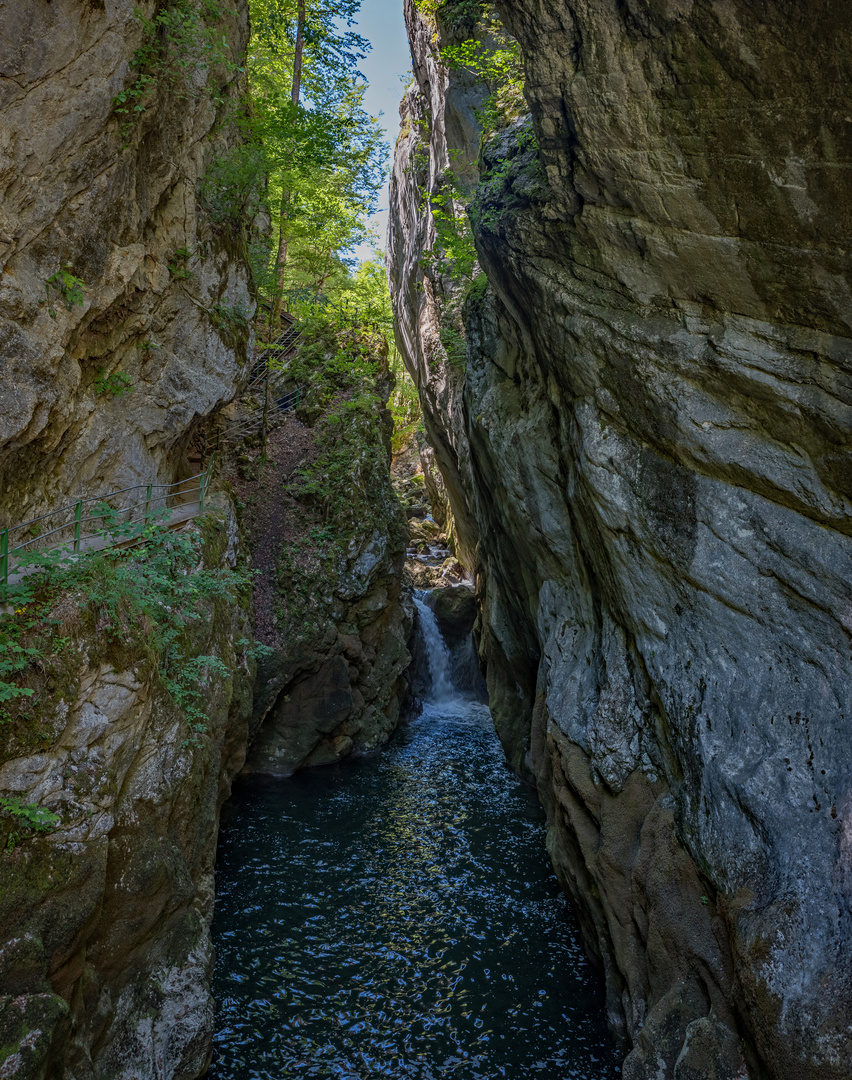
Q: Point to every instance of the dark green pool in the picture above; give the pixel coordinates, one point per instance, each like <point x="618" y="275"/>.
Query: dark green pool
<point x="397" y="917"/>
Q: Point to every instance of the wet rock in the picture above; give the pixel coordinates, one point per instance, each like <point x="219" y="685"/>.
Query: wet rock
<point x="455" y="609"/>
<point x="316" y="706"/>
<point x="331" y="684"/>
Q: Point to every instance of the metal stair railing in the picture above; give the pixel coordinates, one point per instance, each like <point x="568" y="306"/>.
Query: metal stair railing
<point x="253" y="425"/>
<point x="72" y="526"/>
<point x="280" y="349"/>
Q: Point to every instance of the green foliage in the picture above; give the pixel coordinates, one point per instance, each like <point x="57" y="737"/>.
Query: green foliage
<point x="342" y="493"/>
<point x="116" y="383"/>
<point x="254" y="650"/>
<point x="453" y="253"/>
<point x="368" y="287"/>
<point x="187" y="691"/>
<point x="462" y="14"/>
<point x="358" y="309"/>
<point x="30" y="815"/>
<point x="509" y="157"/>
<point x="488" y="53"/>
<point x="232" y="317"/>
<point x="13" y="659"/>
<point x="178" y="269"/>
<point x="342" y="366"/>
<point x="494" y="58"/>
<point x="180" y="47"/>
<point x="65" y="285"/>
<point x="475" y="292"/>
<point x="149" y="595"/>
<point x="233" y="191"/>
<point x="310" y="166"/>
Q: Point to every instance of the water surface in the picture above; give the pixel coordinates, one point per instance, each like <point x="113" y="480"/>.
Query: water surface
<point x="397" y="916"/>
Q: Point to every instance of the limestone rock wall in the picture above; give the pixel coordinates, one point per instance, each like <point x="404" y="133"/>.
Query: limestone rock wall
<point x="340" y="692"/>
<point x="105" y="954"/>
<point x="112" y="205"/>
<point x="333" y="606"/>
<point x="656" y="422"/>
<point x="437" y="115"/>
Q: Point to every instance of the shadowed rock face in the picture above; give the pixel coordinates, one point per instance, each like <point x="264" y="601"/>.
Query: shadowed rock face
<point x="655" y="449"/>
<point x="105" y="950"/>
<point x="105" y="959"/>
<point x="113" y="205"/>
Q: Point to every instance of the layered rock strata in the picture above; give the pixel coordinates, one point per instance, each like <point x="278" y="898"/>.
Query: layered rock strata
<point x="651" y="450"/>
<point x="156" y="297"/>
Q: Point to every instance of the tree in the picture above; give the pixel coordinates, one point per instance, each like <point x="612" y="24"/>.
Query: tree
<point x="323" y="152"/>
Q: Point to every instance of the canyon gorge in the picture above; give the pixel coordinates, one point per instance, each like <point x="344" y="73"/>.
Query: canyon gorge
<point x="620" y="282"/>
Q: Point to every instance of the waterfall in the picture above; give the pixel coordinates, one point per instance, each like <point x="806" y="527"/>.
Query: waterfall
<point x="437" y="653"/>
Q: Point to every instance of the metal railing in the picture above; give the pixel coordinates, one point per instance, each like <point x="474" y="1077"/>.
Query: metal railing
<point x="73" y="526"/>
<point x="254" y="424"/>
<point x="277" y="351"/>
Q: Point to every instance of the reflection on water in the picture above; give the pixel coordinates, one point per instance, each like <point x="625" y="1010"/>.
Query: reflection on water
<point x="397" y="917"/>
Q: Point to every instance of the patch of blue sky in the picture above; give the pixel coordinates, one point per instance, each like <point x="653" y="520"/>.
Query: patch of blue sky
<point x="386" y="68"/>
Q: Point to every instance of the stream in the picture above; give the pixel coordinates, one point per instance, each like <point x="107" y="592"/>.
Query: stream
<point x="397" y="916"/>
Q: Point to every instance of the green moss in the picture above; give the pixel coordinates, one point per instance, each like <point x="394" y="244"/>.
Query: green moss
<point x="475" y="292"/>
<point x="344" y="496"/>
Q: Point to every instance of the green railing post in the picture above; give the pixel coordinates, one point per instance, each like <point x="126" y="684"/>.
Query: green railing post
<point x="78" y="515"/>
<point x="4" y="557"/>
<point x="147" y="503"/>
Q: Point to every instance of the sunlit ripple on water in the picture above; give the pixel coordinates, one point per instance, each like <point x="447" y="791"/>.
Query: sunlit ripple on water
<point x="397" y="917"/>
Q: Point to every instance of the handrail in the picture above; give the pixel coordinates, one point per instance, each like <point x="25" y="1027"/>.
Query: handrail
<point x="254" y="424"/>
<point x="79" y="520"/>
<point x="109" y="495"/>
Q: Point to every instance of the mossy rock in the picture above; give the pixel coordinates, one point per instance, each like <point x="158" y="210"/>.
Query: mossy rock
<point x="455" y="609"/>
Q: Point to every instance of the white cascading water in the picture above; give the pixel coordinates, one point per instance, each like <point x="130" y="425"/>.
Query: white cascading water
<point x="437" y="653"/>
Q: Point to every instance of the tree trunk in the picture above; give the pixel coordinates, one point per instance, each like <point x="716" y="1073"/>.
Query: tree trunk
<point x="297" y="58"/>
<point x="280" y="261"/>
<point x="281" y="257"/>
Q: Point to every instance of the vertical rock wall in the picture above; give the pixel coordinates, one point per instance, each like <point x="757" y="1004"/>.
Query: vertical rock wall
<point x="106" y="958"/>
<point x="112" y="204"/>
<point x="437" y="115"/>
<point x="654" y="438"/>
<point x="105" y="950"/>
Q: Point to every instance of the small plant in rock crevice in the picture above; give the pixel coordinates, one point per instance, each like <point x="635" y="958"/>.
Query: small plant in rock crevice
<point x="65" y="285"/>
<point x="116" y="383"/>
<point x="29" y="816"/>
<point x="178" y="269"/>
<point x="230" y="317"/>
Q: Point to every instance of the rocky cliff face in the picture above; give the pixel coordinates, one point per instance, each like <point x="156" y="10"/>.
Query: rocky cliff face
<point x="114" y="205"/>
<point x="437" y="114"/>
<point x="651" y="448"/>
<point x="113" y="277"/>
<point x="106" y="957"/>
<point x="120" y="272"/>
<point x="328" y="540"/>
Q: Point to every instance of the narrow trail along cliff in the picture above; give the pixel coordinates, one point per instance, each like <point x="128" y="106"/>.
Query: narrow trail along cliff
<point x="571" y="462"/>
